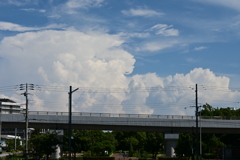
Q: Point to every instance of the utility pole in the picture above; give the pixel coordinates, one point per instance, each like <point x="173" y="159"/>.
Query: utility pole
<point x="197" y="139"/>
<point x="31" y="87"/>
<point x="0" y="120"/>
<point x="70" y="122"/>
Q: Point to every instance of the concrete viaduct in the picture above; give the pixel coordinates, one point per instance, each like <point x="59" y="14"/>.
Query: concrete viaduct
<point x="171" y="125"/>
<point x="122" y="122"/>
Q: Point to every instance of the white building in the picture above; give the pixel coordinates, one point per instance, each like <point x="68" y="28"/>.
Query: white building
<point x="8" y="106"/>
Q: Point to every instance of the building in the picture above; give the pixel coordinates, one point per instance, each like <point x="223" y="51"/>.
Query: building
<point x="8" y="106"/>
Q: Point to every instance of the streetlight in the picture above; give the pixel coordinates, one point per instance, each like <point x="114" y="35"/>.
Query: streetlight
<point x="70" y="122"/>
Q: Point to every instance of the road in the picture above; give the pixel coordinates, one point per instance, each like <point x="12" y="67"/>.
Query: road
<point x="119" y="156"/>
<point x="4" y="154"/>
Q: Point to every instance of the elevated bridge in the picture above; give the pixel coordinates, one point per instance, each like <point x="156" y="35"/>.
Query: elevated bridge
<point x="122" y="122"/>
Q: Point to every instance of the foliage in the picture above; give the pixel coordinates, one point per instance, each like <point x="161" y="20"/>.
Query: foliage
<point x="98" y="158"/>
<point x="154" y="142"/>
<point x="213" y="143"/>
<point x="131" y="141"/>
<point x="168" y="158"/>
<point x="88" y="140"/>
<point x="44" y="143"/>
<point x="208" y="110"/>
<point x="101" y="141"/>
<point x="184" y="145"/>
<point x="11" y="145"/>
<point x="13" y="157"/>
<point x="208" y="156"/>
<point x="80" y="141"/>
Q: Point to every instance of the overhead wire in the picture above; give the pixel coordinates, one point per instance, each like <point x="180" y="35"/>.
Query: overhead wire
<point x="40" y="89"/>
<point x="8" y="88"/>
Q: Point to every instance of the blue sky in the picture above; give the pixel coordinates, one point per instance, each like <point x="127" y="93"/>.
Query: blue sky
<point x="134" y="43"/>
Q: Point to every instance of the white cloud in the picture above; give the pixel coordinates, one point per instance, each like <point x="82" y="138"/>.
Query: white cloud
<point x="200" y="48"/>
<point x="165" y="30"/>
<point x="20" y="2"/>
<point x="7" y="26"/>
<point x="33" y="10"/>
<point x="233" y="4"/>
<point x="133" y="35"/>
<point x="75" y="7"/>
<point x="96" y="63"/>
<point x="84" y="3"/>
<point x="156" y="46"/>
<point x="14" y="27"/>
<point x="66" y="58"/>
<point x="142" y="12"/>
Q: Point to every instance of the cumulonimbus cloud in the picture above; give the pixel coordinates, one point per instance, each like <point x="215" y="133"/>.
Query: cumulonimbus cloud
<point x="98" y="65"/>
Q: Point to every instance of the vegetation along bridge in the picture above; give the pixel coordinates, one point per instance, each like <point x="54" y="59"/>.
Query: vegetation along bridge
<point x="122" y="122"/>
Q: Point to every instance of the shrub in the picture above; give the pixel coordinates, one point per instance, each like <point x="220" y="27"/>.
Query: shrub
<point x="98" y="158"/>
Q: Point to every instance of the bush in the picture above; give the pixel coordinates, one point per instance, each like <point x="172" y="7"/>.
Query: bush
<point x="98" y="158"/>
<point x="13" y="157"/>
<point x="175" y="158"/>
<point x="208" y="156"/>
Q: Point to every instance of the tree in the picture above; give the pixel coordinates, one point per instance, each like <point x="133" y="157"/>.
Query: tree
<point x="154" y="142"/>
<point x="130" y="141"/>
<point x="207" y="110"/>
<point x="184" y="145"/>
<point x="44" y="143"/>
<point x="100" y="141"/>
<point x="215" y="145"/>
<point x="11" y="145"/>
<point x="80" y="141"/>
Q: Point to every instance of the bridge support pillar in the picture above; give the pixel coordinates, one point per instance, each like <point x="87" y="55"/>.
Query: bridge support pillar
<point x="57" y="153"/>
<point x="170" y="143"/>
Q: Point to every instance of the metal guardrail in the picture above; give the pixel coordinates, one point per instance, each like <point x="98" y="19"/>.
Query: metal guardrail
<point x="122" y="115"/>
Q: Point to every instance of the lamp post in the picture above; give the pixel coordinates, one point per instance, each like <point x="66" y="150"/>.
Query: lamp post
<point x="70" y="121"/>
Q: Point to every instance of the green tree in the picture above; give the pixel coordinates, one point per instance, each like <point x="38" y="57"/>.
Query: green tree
<point x="154" y="143"/>
<point x="44" y="143"/>
<point x="130" y="141"/>
<point x="100" y="141"/>
<point x="80" y="141"/>
<point x="119" y="136"/>
<point x="11" y="145"/>
<point x="184" y="145"/>
<point x="207" y="110"/>
<point x="215" y="145"/>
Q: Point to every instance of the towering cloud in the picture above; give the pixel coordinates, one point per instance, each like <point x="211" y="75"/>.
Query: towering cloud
<point x="99" y="66"/>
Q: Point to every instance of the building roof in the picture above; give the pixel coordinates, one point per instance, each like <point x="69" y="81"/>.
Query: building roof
<point x="6" y="100"/>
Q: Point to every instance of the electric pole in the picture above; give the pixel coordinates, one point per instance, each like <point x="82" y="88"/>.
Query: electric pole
<point x="26" y="87"/>
<point x="70" y="122"/>
<point x="197" y="137"/>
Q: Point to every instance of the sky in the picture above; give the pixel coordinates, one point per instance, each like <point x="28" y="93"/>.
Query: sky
<point x="128" y="56"/>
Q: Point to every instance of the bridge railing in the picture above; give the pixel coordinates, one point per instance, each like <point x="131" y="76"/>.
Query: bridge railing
<point x="111" y="115"/>
<point x="129" y="115"/>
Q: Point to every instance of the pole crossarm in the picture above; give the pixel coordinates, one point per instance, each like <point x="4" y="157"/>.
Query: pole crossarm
<point x="70" y="121"/>
<point x="26" y="87"/>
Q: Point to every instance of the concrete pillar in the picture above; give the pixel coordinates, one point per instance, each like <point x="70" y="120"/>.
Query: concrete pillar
<point x="57" y="153"/>
<point x="170" y="143"/>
